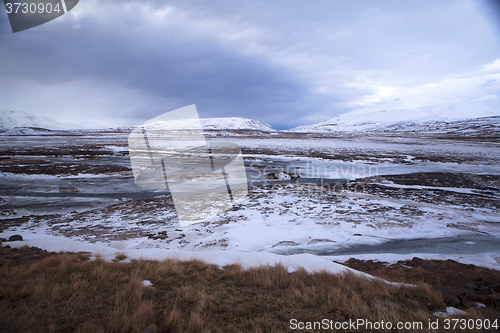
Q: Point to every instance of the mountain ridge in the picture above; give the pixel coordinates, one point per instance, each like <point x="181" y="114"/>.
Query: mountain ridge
<point x="362" y="120"/>
<point x="10" y="119"/>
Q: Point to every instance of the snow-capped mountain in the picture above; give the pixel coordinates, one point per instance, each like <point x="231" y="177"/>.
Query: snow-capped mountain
<point x="478" y="127"/>
<point x="235" y="123"/>
<point x="12" y="119"/>
<point x="362" y="120"/>
<point x="229" y="123"/>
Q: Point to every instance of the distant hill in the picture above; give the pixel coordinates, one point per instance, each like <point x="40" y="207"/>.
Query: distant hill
<point x="235" y="123"/>
<point x="20" y="119"/>
<point x="227" y="123"/>
<point x="370" y="120"/>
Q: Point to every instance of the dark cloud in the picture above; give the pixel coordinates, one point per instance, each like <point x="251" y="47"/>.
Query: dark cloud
<point x="283" y="63"/>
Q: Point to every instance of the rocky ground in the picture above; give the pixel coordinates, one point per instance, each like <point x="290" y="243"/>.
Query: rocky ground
<point x="80" y="185"/>
<point x="462" y="286"/>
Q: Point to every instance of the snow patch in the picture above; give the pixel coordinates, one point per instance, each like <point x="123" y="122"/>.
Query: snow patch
<point x="451" y="311"/>
<point x="309" y="262"/>
<point x="147" y="283"/>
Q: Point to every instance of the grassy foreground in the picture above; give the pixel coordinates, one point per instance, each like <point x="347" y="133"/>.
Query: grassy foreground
<point x="67" y="292"/>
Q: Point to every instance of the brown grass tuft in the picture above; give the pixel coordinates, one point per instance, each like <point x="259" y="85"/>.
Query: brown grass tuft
<point x="65" y="293"/>
<point x="120" y="256"/>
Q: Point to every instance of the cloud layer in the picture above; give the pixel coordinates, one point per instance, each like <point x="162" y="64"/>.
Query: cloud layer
<point x="285" y="63"/>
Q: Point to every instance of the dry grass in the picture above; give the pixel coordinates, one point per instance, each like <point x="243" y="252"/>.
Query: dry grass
<point x="69" y="293"/>
<point x="120" y="256"/>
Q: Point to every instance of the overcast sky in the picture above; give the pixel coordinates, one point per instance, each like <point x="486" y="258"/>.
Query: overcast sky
<point x="285" y="63"/>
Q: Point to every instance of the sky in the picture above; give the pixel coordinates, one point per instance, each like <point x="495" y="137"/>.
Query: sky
<point x="285" y="63"/>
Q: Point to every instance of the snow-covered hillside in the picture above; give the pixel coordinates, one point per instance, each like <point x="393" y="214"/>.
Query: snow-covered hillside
<point x="483" y="126"/>
<point x="235" y="123"/>
<point x="228" y="123"/>
<point x="12" y="119"/>
<point x="362" y="120"/>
